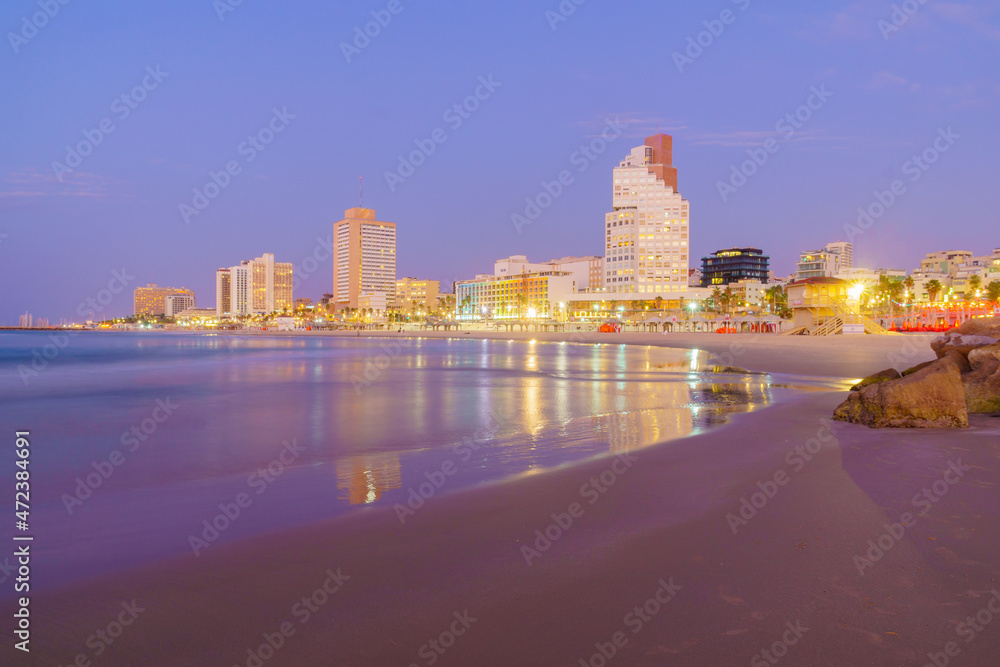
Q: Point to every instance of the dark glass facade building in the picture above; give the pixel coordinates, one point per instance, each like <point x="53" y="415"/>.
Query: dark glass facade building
<point x="733" y="265"/>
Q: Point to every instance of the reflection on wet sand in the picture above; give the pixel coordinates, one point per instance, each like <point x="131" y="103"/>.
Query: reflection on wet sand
<point x="364" y="479"/>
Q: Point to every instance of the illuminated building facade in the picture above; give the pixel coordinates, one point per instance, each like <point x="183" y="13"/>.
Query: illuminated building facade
<point x="733" y="265"/>
<point x="151" y="299"/>
<point x="364" y="257"/>
<point x="647" y="234"/>
<point x="529" y="295"/>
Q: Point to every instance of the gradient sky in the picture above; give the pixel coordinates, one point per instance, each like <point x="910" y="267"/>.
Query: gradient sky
<point x="60" y="240"/>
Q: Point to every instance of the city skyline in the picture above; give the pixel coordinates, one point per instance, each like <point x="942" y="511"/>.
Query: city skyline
<point x="249" y="152"/>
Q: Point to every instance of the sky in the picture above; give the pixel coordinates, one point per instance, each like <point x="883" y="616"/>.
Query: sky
<point x="116" y="115"/>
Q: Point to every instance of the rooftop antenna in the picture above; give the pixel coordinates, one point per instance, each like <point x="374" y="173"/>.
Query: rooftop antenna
<point x="361" y="196"/>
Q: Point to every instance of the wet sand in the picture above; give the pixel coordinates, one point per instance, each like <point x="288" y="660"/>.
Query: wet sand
<point x="657" y="523"/>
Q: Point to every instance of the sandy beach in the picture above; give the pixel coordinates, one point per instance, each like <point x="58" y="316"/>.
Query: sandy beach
<point x="778" y="537"/>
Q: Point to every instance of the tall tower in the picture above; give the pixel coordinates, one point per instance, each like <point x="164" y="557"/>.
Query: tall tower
<point x="364" y="257"/>
<point x="647" y="233"/>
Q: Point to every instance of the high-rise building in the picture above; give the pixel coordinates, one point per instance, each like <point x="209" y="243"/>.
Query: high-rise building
<point x="173" y="304"/>
<point x="25" y="321"/>
<point x="271" y="285"/>
<point x="732" y="265"/>
<point x="256" y="287"/>
<point x="364" y="257"/>
<point x="223" y="292"/>
<point x="420" y="294"/>
<point x="151" y="299"/>
<point x="846" y="251"/>
<point x="647" y="233"/>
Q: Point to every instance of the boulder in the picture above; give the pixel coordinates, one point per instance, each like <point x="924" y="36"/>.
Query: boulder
<point x="918" y="367"/>
<point x="881" y="376"/>
<point x="959" y="342"/>
<point x="982" y="383"/>
<point x="933" y="397"/>
<point x="981" y="326"/>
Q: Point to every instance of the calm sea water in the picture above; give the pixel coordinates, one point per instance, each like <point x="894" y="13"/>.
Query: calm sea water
<point x="309" y="428"/>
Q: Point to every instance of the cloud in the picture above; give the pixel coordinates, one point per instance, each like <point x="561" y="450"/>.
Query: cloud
<point x="969" y="16"/>
<point x="30" y="184"/>
<point x="886" y="79"/>
<point x="637" y="124"/>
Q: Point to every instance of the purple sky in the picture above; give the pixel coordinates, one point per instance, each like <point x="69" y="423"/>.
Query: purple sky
<point x="63" y="233"/>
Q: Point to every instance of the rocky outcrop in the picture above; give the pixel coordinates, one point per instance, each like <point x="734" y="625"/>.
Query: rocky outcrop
<point x="930" y="398"/>
<point x="965" y="379"/>
<point x="962" y="343"/>
<point x="881" y="376"/>
<point x="982" y="383"/>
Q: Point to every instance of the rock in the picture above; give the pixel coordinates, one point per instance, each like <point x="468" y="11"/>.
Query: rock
<point x="881" y="376"/>
<point x="982" y="383"/>
<point x="933" y="397"/>
<point x="960" y="342"/>
<point x="918" y="367"/>
<point x="981" y="326"/>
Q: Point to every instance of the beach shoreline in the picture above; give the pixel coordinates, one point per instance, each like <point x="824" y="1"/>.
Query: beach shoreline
<point x="672" y="518"/>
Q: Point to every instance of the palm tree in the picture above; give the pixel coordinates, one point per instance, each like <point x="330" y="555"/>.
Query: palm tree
<point x="659" y="303"/>
<point x="466" y="304"/>
<point x="933" y="288"/>
<point x="728" y="298"/>
<point x="716" y="299"/>
<point x="972" y="286"/>
<point x="522" y="301"/>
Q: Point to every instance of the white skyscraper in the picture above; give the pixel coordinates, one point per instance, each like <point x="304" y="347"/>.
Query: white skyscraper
<point x="647" y="234"/>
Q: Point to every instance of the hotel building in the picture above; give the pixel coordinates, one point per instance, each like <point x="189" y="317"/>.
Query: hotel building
<point x="176" y="303"/>
<point x="423" y="293"/>
<point x="256" y="287"/>
<point x="587" y="271"/>
<point x="647" y="233"/>
<point x="223" y="292"/>
<point x="364" y="257"/>
<point x="534" y="295"/>
<point x="151" y="299"/>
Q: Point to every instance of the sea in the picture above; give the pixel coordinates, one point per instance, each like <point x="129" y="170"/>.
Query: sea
<point x="150" y="446"/>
